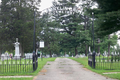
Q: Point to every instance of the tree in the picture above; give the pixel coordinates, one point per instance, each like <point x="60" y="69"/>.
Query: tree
<point x="109" y="18"/>
<point x="106" y="42"/>
<point x="71" y="20"/>
<point x="106" y="20"/>
<point x="85" y="6"/>
<point x="118" y="48"/>
<point x="50" y="34"/>
<point x="16" y="21"/>
<point x="68" y="25"/>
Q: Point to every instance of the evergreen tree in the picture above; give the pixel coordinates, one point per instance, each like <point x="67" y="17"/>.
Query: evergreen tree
<point x="71" y="21"/>
<point x="17" y="22"/>
<point x="49" y="34"/>
<point x="108" y="17"/>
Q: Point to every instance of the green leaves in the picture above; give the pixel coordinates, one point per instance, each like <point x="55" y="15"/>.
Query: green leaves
<point x="108" y="23"/>
<point x="108" y="5"/>
<point x="109" y="18"/>
<point x="17" y="22"/>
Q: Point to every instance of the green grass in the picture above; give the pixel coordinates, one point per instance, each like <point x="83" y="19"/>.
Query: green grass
<point x="84" y="62"/>
<point x="16" y="78"/>
<point x="40" y="66"/>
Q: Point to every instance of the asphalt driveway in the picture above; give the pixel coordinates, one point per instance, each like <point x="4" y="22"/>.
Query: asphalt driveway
<point x="67" y="69"/>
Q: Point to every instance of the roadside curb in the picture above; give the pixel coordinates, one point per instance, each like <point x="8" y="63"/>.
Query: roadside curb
<point x="15" y="76"/>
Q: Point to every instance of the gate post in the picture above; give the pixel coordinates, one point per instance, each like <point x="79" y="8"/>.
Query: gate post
<point x="34" y="61"/>
<point x="93" y="59"/>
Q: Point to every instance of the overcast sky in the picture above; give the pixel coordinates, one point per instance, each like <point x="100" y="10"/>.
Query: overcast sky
<point x="45" y="4"/>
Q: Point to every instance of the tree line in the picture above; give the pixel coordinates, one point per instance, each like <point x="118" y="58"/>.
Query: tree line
<point x="65" y="28"/>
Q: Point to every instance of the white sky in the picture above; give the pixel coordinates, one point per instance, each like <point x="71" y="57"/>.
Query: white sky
<point x="45" y="4"/>
<point x="118" y="33"/>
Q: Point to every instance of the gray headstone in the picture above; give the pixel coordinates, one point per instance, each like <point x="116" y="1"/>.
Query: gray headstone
<point x="28" y="55"/>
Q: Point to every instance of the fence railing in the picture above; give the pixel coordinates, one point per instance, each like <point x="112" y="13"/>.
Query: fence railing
<point x="18" y="64"/>
<point x="111" y="62"/>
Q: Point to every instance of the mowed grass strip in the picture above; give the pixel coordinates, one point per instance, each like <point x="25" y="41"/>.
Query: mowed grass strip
<point x="16" y="78"/>
<point x="84" y="62"/>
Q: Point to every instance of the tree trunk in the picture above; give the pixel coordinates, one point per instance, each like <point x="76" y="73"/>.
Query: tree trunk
<point x="86" y="50"/>
<point x="21" y="50"/>
<point x="85" y="27"/>
<point x="98" y="46"/>
<point x="0" y="52"/>
<point x="76" y="52"/>
<point x="109" y="46"/>
<point x="98" y="49"/>
<point x="64" y="53"/>
<point x="22" y="54"/>
<point x="49" y="50"/>
<point x="50" y="54"/>
<point x="20" y="47"/>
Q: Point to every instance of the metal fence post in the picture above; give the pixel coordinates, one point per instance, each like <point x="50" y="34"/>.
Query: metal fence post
<point x="93" y="59"/>
<point x="34" y="61"/>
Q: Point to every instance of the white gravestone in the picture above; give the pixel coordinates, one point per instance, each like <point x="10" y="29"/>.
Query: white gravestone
<point x="17" y="52"/>
<point x="90" y="50"/>
<point x="4" y="56"/>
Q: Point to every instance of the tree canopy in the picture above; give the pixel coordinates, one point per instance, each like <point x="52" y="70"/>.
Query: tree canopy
<point x="16" y="17"/>
<point x="109" y="18"/>
<point x="65" y="27"/>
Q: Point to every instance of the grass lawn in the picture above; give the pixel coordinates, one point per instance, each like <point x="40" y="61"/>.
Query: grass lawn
<point x="16" y="78"/>
<point x="84" y="62"/>
<point x="40" y="66"/>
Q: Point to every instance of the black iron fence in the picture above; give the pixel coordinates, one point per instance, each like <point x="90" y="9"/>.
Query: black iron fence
<point x="111" y="62"/>
<point x="18" y="64"/>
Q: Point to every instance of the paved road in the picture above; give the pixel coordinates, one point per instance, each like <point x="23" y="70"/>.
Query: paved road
<point x="67" y="69"/>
